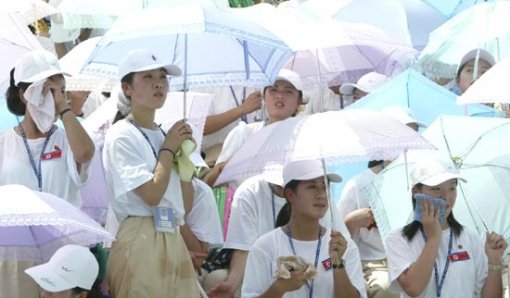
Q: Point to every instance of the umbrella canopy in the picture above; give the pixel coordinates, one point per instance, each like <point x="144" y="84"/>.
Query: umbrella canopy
<point x="490" y="87"/>
<point x="33" y="225"/>
<point x="478" y="148"/>
<point x="103" y="13"/>
<point x="15" y="40"/>
<point x="337" y="136"/>
<point x="212" y="47"/>
<point x="424" y="97"/>
<point x="72" y="62"/>
<point x="29" y="10"/>
<point x="484" y="25"/>
<point x="330" y="52"/>
<point x="453" y="7"/>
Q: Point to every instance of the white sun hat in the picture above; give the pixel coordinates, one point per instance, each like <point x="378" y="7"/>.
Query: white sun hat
<point x="142" y="60"/>
<point x="306" y="170"/>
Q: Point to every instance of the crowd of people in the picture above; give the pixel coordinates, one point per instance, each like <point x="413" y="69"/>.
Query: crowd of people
<point x="278" y="240"/>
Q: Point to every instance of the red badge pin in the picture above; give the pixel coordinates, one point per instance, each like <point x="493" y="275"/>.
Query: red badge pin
<point x="326" y="264"/>
<point x="52" y="155"/>
<point x="459" y="256"/>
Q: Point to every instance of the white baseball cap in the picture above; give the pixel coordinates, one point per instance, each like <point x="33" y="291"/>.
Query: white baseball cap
<point x="403" y="115"/>
<point x="70" y="266"/>
<point x="471" y="55"/>
<point x="306" y="170"/>
<point x="142" y="60"/>
<point x="293" y="78"/>
<point x="36" y="66"/>
<point x="367" y="83"/>
<point x="433" y="169"/>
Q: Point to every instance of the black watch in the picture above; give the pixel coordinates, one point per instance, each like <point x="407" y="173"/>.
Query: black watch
<point x="339" y="265"/>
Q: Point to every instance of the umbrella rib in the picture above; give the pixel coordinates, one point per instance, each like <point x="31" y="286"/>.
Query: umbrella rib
<point x="478" y="139"/>
<point x="38" y="245"/>
<point x="471" y="205"/>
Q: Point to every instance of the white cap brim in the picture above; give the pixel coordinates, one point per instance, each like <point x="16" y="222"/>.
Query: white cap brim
<point x="42" y="76"/>
<point x="48" y="279"/>
<point x="440" y="178"/>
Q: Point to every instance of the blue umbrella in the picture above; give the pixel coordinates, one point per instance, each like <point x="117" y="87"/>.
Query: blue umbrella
<point x="452" y="7"/>
<point x="212" y="47"/>
<point x="425" y="98"/>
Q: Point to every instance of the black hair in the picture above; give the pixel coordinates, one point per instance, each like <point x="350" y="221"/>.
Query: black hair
<point x="14" y="102"/>
<point x="283" y="217"/>
<point x="78" y="290"/>
<point x="374" y="163"/>
<point x="410" y="230"/>
<point x="128" y="79"/>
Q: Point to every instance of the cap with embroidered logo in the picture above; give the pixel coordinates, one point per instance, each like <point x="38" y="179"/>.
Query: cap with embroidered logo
<point x="142" y="60"/>
<point x="70" y="266"/>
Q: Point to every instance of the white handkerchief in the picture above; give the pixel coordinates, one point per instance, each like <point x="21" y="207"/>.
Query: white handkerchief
<point x="40" y="106"/>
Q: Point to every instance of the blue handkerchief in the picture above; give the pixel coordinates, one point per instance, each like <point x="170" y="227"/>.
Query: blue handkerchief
<point x="438" y="203"/>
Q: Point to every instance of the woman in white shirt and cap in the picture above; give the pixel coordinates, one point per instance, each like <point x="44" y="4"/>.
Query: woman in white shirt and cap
<point x="149" y="257"/>
<point x="334" y="257"/>
<point x="435" y="256"/>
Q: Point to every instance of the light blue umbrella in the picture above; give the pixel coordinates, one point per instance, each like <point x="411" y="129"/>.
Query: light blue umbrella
<point x="212" y="47"/>
<point x="452" y="7"/>
<point x="483" y="26"/>
<point x="425" y="98"/>
<point x="478" y="148"/>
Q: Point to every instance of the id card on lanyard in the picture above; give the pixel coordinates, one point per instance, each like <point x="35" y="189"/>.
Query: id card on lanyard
<point x="164" y="217"/>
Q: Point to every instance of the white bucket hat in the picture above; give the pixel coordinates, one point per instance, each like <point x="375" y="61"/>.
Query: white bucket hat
<point x="36" y="66"/>
<point x="142" y="60"/>
<point x="70" y="266"/>
<point x="367" y="83"/>
<point x="306" y="170"/>
<point x="433" y="169"/>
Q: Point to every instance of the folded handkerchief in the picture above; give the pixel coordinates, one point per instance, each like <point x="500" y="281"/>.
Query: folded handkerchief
<point x="185" y="167"/>
<point x="41" y="107"/>
<point x="292" y="263"/>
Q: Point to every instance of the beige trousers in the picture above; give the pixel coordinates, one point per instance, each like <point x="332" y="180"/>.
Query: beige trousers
<point x="376" y="279"/>
<point x="144" y="263"/>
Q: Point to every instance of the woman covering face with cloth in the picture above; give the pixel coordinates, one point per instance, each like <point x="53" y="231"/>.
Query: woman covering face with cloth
<point x="435" y="256"/>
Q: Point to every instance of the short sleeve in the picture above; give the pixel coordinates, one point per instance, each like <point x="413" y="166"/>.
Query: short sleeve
<point x="235" y="139"/>
<point x="127" y="166"/>
<point x="242" y="228"/>
<point x="400" y="257"/>
<point x="258" y="275"/>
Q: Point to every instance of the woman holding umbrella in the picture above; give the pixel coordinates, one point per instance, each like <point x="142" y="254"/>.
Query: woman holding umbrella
<point x="149" y="257"/>
<point x="335" y="258"/>
<point x="435" y="256"/>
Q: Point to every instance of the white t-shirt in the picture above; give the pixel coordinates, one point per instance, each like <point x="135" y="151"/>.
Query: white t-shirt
<point x="60" y="175"/>
<point x="203" y="219"/>
<point x="262" y="264"/>
<point x="252" y="213"/>
<point x="463" y="278"/>
<point x="128" y="163"/>
<point x="354" y="196"/>
<point x="236" y="138"/>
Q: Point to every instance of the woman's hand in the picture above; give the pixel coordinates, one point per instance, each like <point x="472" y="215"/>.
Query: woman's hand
<point x="430" y="219"/>
<point x="495" y="246"/>
<point x="58" y="94"/>
<point x="179" y="132"/>
<point x="297" y="279"/>
<point x="337" y="246"/>
<point x="360" y="218"/>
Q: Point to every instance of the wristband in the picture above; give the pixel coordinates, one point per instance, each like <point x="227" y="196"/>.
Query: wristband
<point x="61" y="113"/>
<point x="495" y="266"/>
<point x="167" y="149"/>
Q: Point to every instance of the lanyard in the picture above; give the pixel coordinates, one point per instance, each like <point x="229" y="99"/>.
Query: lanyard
<point x="273" y="203"/>
<point x="243" y="117"/>
<point x="37" y="170"/>
<point x="146" y="136"/>
<point x="317" y="253"/>
<point x="439" y="284"/>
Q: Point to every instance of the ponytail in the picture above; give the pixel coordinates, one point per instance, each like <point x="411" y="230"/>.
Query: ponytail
<point x="14" y="102"/>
